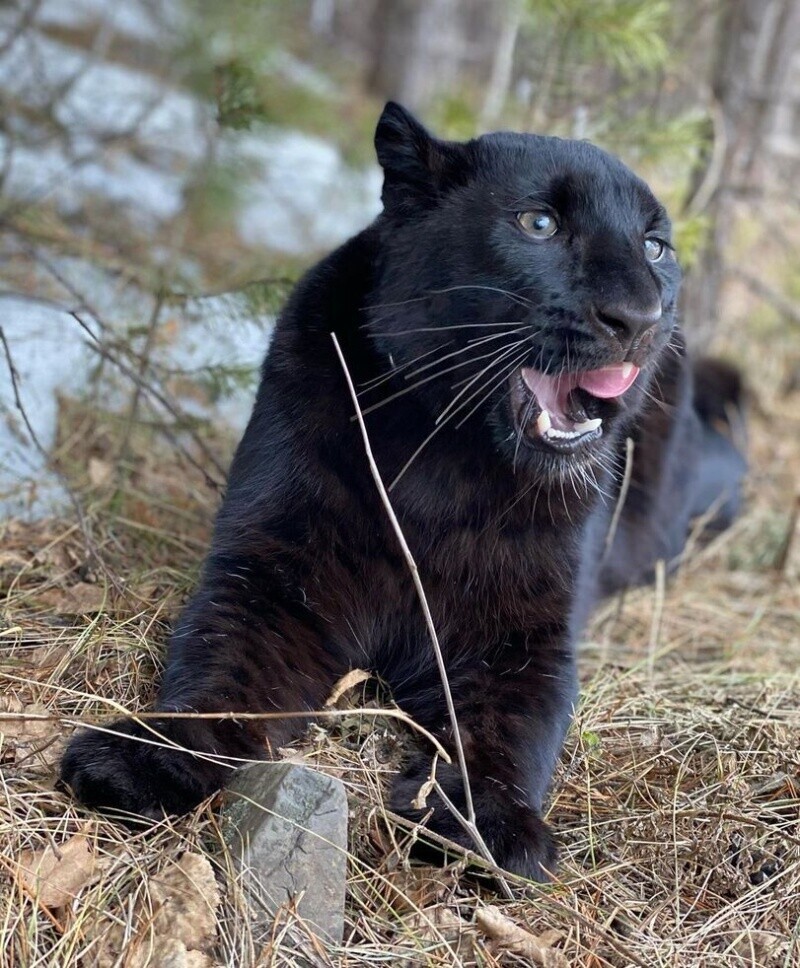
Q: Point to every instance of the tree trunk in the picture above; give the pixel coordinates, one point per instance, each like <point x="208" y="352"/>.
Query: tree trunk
<point x="427" y="49"/>
<point x="756" y="40"/>
<point x="419" y="47"/>
<point x="502" y="64"/>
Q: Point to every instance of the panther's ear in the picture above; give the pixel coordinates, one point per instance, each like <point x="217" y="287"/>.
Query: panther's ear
<point x="417" y="167"/>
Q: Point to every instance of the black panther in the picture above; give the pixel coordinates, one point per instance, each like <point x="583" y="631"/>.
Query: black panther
<point x="510" y="321"/>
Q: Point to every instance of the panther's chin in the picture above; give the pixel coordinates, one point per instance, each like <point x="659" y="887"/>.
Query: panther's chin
<point x="563" y="415"/>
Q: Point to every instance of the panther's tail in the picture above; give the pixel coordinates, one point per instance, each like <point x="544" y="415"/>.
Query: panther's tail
<point x="720" y="395"/>
<point x="720" y="401"/>
<point x="694" y="477"/>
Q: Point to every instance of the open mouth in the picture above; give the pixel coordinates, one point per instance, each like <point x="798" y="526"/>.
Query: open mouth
<point x="557" y="413"/>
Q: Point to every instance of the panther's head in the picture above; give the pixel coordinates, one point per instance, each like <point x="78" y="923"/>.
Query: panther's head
<point x="528" y="284"/>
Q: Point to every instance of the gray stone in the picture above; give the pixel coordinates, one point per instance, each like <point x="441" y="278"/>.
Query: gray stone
<point x="286" y="828"/>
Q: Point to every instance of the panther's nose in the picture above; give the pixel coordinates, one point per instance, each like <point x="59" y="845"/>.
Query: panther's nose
<point x="627" y="322"/>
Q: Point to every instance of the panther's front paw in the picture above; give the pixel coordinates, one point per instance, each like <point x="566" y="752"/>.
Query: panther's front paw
<point x="517" y="837"/>
<point x="129" y="772"/>
<point x="523" y="844"/>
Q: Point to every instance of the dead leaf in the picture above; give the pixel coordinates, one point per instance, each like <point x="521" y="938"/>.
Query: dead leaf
<point x="420" y="801"/>
<point x="100" y="472"/>
<point x="186" y="898"/>
<point x="762" y="948"/>
<point x="175" y="954"/>
<point x="10" y="727"/>
<point x="55" y="555"/>
<point x="415" y="888"/>
<point x="48" y="656"/>
<point x="30" y="727"/>
<point x="178" y="926"/>
<point x="82" y="598"/>
<point x="55" y="875"/>
<point x="348" y="681"/>
<point x="148" y="592"/>
<point x="435" y="922"/>
<point x="514" y="938"/>
<point x="28" y="732"/>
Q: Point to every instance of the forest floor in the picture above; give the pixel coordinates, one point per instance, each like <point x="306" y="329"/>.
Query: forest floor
<point x="676" y="801"/>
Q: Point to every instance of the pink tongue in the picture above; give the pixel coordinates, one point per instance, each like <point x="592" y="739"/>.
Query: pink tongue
<point x="610" y="381"/>
<point x="552" y="392"/>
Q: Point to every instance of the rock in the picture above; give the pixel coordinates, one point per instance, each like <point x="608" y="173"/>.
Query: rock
<point x="286" y="828"/>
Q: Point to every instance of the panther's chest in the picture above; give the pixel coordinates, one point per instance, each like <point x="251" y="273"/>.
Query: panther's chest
<point x="501" y="580"/>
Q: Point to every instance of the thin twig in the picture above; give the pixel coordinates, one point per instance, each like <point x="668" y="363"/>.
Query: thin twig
<point x="91" y="547"/>
<point x="174" y="411"/>
<point x="155" y="393"/>
<point x="468" y="821"/>
<point x="471" y="829"/>
<point x="623" y="494"/>
<point x="142" y="720"/>
<point x="54" y="181"/>
<point x="144" y="362"/>
<point x="25" y="20"/>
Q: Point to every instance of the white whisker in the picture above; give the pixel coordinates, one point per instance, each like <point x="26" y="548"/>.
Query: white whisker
<point x="378" y="380"/>
<point x="440" y="425"/>
<point x="506" y="352"/>
<point x="465" y="349"/>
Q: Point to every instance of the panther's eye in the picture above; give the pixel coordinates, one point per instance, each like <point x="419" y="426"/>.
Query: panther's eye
<point x="539" y="225"/>
<point x="653" y="249"/>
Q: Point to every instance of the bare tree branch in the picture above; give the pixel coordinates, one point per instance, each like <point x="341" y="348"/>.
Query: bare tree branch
<point x="785" y="307"/>
<point x="92" y="550"/>
<point x="27" y="17"/>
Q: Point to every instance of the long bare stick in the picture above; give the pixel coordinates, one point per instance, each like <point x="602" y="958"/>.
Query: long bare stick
<point x="623" y="494"/>
<point x="468" y="821"/>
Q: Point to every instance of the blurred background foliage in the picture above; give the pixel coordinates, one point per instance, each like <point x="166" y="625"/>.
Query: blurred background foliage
<point x="658" y="81"/>
<point x="169" y="167"/>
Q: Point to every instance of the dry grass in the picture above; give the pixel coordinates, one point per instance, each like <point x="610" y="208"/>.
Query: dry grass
<point x="677" y="799"/>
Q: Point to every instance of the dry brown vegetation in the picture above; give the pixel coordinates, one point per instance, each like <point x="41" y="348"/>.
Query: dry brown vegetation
<point x="677" y="799"/>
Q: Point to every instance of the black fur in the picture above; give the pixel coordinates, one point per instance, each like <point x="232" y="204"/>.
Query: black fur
<point x="305" y="579"/>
